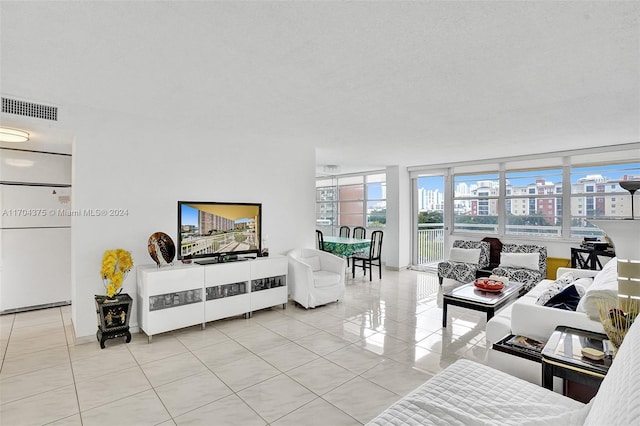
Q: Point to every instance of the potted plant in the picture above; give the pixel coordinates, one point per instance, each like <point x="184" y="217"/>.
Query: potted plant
<point x="113" y="309"/>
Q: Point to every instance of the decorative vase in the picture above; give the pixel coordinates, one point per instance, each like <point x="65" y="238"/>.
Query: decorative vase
<point x="113" y="317"/>
<point x="161" y="248"/>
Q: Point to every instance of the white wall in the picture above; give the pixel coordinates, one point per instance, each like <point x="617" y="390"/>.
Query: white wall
<point x="145" y="167"/>
<point x="396" y="245"/>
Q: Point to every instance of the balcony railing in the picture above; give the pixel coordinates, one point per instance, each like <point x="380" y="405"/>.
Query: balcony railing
<point x="431" y="236"/>
<point x="430" y="243"/>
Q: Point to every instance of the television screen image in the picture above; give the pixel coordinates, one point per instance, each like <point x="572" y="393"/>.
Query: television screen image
<point x="214" y="229"/>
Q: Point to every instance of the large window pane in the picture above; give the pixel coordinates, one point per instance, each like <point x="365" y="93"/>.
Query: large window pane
<point x="596" y="193"/>
<point x="476" y="203"/>
<point x="532" y="206"/>
<point x="351" y="213"/>
<point x="326" y="204"/>
<point x="354" y="200"/>
<point x="376" y="214"/>
<point x="377" y="187"/>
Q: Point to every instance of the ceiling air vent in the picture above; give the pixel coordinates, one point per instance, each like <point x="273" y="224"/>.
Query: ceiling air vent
<point x="29" y="109"/>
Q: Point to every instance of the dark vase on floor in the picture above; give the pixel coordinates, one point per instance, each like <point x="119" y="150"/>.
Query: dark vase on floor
<point x="113" y="317"/>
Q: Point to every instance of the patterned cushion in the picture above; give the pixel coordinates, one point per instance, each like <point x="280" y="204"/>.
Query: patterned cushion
<point x="461" y="271"/>
<point x="556" y="287"/>
<point x="527" y="276"/>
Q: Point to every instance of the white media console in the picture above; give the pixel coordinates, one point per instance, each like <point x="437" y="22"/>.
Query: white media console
<point x="179" y="295"/>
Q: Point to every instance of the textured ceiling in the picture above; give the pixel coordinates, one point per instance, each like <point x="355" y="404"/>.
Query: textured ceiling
<point x="369" y="84"/>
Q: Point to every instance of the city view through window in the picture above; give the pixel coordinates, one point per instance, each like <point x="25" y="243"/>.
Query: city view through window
<point x="358" y="200"/>
<point x="533" y="200"/>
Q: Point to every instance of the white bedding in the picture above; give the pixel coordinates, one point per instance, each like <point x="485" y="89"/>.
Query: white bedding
<point x="468" y="393"/>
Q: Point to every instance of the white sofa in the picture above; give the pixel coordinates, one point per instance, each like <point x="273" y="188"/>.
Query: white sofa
<point x="526" y="318"/>
<point x="468" y="393"/>
<point x="315" y="277"/>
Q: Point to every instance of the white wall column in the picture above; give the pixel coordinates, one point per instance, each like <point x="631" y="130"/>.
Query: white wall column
<point x="396" y="245"/>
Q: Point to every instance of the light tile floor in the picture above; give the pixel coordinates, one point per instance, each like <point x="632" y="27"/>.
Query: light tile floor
<point x="340" y="364"/>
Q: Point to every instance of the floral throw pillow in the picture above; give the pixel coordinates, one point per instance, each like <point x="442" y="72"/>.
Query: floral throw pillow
<point x="556" y="287"/>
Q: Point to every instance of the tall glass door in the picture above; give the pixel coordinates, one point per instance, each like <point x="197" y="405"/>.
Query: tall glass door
<point x="429" y="220"/>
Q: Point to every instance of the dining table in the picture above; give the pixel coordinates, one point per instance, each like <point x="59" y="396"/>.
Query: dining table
<point x="346" y="247"/>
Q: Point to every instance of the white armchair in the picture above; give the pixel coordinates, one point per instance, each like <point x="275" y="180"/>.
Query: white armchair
<point x="315" y="277"/>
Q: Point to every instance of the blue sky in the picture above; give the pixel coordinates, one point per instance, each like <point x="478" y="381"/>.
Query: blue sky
<point x="189" y="215"/>
<point x="554" y="175"/>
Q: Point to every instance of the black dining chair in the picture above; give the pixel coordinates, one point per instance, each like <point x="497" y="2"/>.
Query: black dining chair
<point x="319" y="240"/>
<point x="359" y="232"/>
<point x="345" y="232"/>
<point x="368" y="260"/>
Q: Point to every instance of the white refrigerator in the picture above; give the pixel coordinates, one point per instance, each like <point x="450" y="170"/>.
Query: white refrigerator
<point x="35" y="230"/>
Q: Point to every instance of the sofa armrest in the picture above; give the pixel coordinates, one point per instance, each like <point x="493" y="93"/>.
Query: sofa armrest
<point x="331" y="262"/>
<point x="579" y="273"/>
<point x="301" y="277"/>
<point x="538" y="322"/>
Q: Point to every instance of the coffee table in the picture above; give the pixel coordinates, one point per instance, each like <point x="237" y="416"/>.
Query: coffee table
<point x="470" y="297"/>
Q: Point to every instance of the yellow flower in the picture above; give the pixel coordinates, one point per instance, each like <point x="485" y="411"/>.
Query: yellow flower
<point x="115" y="266"/>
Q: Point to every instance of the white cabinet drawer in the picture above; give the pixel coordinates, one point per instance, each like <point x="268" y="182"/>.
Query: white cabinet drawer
<point x="227" y="307"/>
<point x="226" y="273"/>
<point x="166" y="280"/>
<point x="174" y="318"/>
<point x="269" y="267"/>
<point x="267" y="298"/>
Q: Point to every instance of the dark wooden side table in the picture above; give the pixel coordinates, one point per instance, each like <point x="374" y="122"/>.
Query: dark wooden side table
<point x="585" y="258"/>
<point x="508" y="345"/>
<point x="113" y="317"/>
<point x="562" y="357"/>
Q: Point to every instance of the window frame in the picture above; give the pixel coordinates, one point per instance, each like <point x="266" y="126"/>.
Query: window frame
<point x="342" y="199"/>
<point x="563" y="192"/>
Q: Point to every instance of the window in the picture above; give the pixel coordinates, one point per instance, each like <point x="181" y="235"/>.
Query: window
<point x="351" y="200"/>
<point x="537" y="190"/>
<point x="326" y="209"/>
<point x="595" y="193"/>
<point x="534" y="200"/>
<point x="351" y="195"/>
<point x="475" y="203"/>
<point x="376" y="200"/>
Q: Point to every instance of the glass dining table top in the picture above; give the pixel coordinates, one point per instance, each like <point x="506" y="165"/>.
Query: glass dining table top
<point x="343" y="246"/>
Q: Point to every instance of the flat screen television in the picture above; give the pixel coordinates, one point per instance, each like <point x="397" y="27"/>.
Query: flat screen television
<point x="218" y="231"/>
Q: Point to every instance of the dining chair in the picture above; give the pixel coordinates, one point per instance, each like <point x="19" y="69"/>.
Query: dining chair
<point x="368" y="260"/>
<point x="359" y="232"/>
<point x="319" y="240"/>
<point x="345" y="232"/>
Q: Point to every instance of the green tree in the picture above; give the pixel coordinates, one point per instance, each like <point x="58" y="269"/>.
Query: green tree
<point x="484" y="220"/>
<point x="430" y="217"/>
<point x="377" y="218"/>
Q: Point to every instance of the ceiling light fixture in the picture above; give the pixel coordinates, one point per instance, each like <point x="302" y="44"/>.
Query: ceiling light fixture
<point x="19" y="162"/>
<point x="13" y="135"/>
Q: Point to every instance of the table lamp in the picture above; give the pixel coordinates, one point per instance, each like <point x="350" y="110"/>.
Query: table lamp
<point x="632" y="186"/>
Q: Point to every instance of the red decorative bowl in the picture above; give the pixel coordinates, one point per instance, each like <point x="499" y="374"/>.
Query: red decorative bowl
<point x="486" y="284"/>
